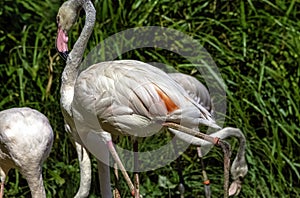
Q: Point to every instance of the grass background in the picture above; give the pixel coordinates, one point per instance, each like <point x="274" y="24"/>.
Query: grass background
<point x="255" y="44"/>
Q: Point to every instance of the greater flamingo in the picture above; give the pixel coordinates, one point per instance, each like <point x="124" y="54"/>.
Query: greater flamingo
<point x="26" y="139"/>
<point x="201" y="95"/>
<point x="104" y="99"/>
<point x="66" y="17"/>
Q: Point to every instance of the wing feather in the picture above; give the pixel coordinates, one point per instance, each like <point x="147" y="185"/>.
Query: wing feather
<point x="129" y="96"/>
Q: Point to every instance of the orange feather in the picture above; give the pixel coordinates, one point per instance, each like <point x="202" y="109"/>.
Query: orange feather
<point x="171" y="106"/>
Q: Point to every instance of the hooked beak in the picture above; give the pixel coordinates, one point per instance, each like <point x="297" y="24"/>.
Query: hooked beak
<point x="62" y="43"/>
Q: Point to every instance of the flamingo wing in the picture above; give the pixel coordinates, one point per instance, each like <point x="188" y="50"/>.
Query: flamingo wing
<point x="194" y="88"/>
<point x="133" y="97"/>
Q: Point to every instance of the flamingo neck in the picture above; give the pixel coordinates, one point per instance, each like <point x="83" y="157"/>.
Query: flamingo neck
<point x="239" y="166"/>
<point x="39" y="192"/>
<point x="70" y="72"/>
<point x="85" y="171"/>
<point x="241" y="149"/>
<point x="35" y="183"/>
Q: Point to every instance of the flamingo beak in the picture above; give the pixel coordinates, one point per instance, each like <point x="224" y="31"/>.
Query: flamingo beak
<point x="62" y="43"/>
<point x="235" y="187"/>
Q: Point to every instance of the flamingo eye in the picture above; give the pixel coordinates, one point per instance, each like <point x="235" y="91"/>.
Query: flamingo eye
<point x="57" y="19"/>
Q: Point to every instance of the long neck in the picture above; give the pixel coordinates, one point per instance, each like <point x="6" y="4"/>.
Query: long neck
<point x="242" y="148"/>
<point x="35" y="181"/>
<point x="239" y="166"/>
<point x="85" y="171"/>
<point x="70" y="72"/>
<point x="223" y="134"/>
<point x="39" y="191"/>
<point x="233" y="132"/>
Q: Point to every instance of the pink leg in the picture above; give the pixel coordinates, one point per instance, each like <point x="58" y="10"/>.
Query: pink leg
<point x="2" y="178"/>
<point x="2" y="190"/>
<point x="116" y="193"/>
<point x="136" y="167"/>
<point x="115" y="156"/>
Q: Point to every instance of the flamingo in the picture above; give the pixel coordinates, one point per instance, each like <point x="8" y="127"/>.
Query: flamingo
<point x="104" y="99"/>
<point x="69" y="11"/>
<point x="201" y="95"/>
<point x="26" y="139"/>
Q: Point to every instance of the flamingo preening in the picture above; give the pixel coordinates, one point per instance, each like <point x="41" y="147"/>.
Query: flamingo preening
<point x="124" y="97"/>
<point x="201" y="95"/>
<point x="26" y="139"/>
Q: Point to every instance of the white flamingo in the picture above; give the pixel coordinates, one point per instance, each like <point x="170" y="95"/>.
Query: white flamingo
<point x="26" y="140"/>
<point x="66" y="17"/>
<point x="104" y="99"/>
<point x="201" y="95"/>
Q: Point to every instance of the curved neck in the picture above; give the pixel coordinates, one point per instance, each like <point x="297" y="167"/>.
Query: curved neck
<point x="242" y="148"/>
<point x="234" y="132"/>
<point x="70" y="72"/>
<point x="240" y="156"/>
<point x="76" y="54"/>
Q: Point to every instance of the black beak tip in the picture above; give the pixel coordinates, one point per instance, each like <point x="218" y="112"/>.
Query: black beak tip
<point x="64" y="55"/>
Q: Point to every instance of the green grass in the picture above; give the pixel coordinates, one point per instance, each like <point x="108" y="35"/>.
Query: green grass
<point x="255" y="44"/>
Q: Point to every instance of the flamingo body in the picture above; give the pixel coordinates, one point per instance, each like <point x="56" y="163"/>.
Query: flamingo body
<point x="194" y="88"/>
<point x="133" y="98"/>
<point x="26" y="139"/>
<point x="118" y="97"/>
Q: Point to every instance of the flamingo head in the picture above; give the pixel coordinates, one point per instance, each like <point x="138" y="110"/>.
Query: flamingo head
<point x="238" y="170"/>
<point x="66" y="18"/>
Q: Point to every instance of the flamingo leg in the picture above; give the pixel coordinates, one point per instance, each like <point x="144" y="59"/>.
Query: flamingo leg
<point x="2" y="180"/>
<point x="115" y="156"/>
<point x="206" y="181"/>
<point x="2" y="189"/>
<point x="116" y="192"/>
<point x="181" y="187"/>
<point x="104" y="178"/>
<point x="214" y="140"/>
<point x="136" y="167"/>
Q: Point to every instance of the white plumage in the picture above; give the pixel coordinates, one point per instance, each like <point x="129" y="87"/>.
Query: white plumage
<point x="194" y="88"/>
<point x="26" y="139"/>
<point x="201" y="95"/>
<point x="118" y="97"/>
